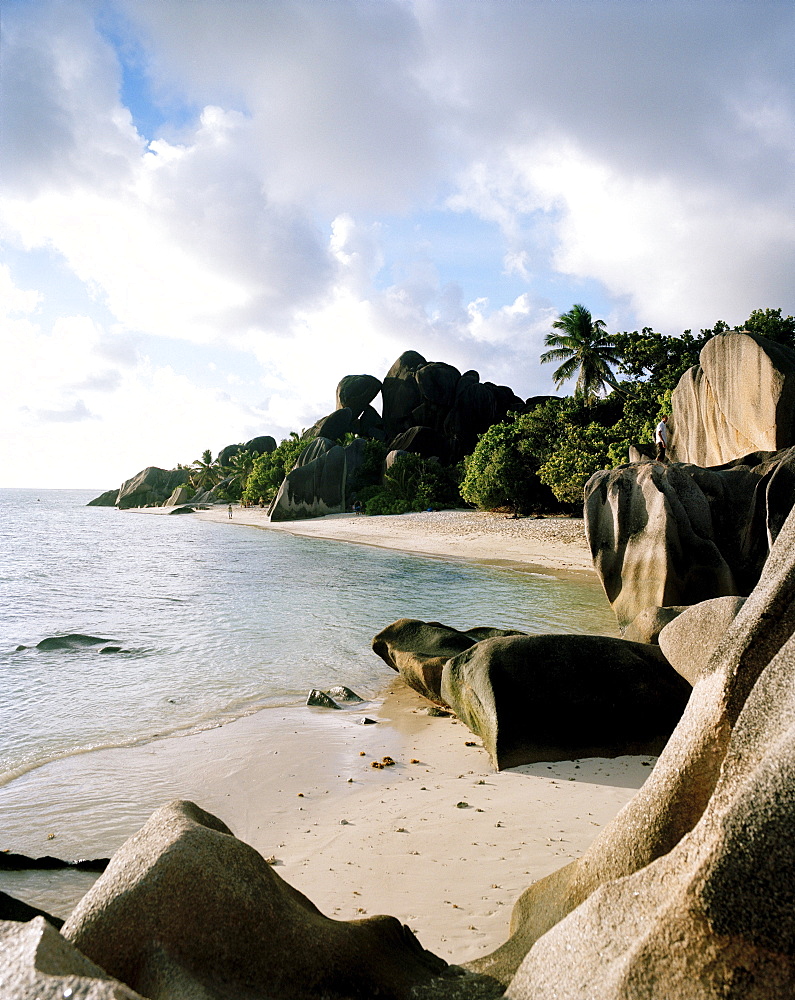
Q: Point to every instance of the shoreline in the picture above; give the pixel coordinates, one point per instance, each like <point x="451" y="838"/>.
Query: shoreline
<point x="297" y="785"/>
<point x="544" y="544"/>
<point x="445" y="844"/>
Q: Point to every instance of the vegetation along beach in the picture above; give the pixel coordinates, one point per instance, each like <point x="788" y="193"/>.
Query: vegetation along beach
<point x="397" y="591"/>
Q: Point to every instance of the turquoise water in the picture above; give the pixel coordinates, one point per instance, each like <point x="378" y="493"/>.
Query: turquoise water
<point x="213" y="621"/>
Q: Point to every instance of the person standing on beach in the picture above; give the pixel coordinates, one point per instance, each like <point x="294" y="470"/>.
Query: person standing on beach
<point x="229" y="508"/>
<point x="661" y="438"/>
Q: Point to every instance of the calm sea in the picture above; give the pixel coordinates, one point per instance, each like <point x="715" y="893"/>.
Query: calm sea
<point x="213" y="621"/>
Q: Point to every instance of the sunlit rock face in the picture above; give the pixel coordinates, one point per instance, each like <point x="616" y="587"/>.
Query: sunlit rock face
<point x="185" y="909"/>
<point x="667" y="535"/>
<point x="740" y="398"/>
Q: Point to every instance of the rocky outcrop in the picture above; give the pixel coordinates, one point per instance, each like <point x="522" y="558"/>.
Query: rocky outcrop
<point x="319" y="483"/>
<point x="689" y="640"/>
<point x="434" y="395"/>
<point x="180" y="495"/>
<point x="106" y="499"/>
<point x="541" y="697"/>
<point x="334" y="426"/>
<point x="560" y="697"/>
<point x="262" y="445"/>
<point x="150" y="488"/>
<point x="650" y="622"/>
<point x="419" y="650"/>
<point x="688" y="892"/>
<point x="424" y="441"/>
<point x="356" y="392"/>
<point x="35" y="961"/>
<point x="186" y="909"/>
<point x="691" y="882"/>
<point x="740" y="398"/>
<point x="664" y="535"/>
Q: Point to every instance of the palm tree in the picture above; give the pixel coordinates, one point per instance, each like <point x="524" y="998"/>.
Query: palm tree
<point x="584" y="346"/>
<point x="205" y="472"/>
<point x="239" y="468"/>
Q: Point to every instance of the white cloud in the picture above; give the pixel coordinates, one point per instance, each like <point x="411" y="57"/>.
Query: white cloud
<point x="640" y="152"/>
<point x="680" y="255"/>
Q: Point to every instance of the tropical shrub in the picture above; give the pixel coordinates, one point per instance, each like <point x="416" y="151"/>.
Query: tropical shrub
<point x="268" y="471"/>
<point x="502" y="472"/>
<point x="412" y="483"/>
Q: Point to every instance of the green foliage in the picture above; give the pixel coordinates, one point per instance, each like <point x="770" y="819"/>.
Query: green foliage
<point x="771" y="324"/>
<point x="369" y="472"/>
<point x="657" y="357"/>
<point x="205" y="473"/>
<point x="268" y="471"/>
<point x="412" y="483"/>
<point x="502" y="472"/>
<point x="586" y="350"/>
<point x="578" y="453"/>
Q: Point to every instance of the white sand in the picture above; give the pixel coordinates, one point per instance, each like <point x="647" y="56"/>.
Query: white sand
<point x="387" y="841"/>
<point x="549" y="543"/>
<point x="297" y="783"/>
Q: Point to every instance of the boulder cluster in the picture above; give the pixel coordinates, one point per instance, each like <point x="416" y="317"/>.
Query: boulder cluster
<point x="153" y="487"/>
<point x="428" y="408"/>
<point x="666" y="535"/>
<point x="687" y="893"/>
<point x="541" y="697"/>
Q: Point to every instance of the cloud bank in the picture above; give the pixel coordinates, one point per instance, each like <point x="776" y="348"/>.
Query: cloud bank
<point x="212" y="212"/>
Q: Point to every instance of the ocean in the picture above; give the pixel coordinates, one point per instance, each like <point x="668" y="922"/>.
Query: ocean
<point x="209" y="637"/>
<point x="201" y="623"/>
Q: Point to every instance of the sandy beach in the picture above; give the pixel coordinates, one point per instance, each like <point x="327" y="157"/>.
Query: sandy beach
<point x="551" y="543"/>
<point x="438" y="839"/>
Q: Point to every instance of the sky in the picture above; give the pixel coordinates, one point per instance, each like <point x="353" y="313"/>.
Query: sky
<point x="211" y="211"/>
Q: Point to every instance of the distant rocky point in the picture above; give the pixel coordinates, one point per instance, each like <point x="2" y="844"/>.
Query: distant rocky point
<point x="428" y="408"/>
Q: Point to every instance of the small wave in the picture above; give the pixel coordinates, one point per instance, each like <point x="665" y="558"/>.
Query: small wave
<point x="231" y="714"/>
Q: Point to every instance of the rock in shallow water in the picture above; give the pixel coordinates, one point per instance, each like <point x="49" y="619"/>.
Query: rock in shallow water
<point x="419" y="650"/>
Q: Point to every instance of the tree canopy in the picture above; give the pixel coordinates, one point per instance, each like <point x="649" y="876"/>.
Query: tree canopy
<point x="586" y="350"/>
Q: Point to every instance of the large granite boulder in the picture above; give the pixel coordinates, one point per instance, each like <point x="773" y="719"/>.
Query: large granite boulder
<point x="664" y="535"/>
<point x="690" y="638"/>
<point x="560" y="697"/>
<point x="506" y="400"/>
<point x="320" y="482"/>
<point x="36" y="962"/>
<point x="356" y="392"/>
<point x="106" y="499"/>
<point x="740" y="398"/>
<point x="150" y="488"/>
<point x="714" y="915"/>
<point x="180" y="495"/>
<point x="400" y="393"/>
<point x="721" y="895"/>
<point x="437" y="382"/>
<point x="419" y="650"/>
<point x="334" y="426"/>
<point x="474" y="410"/>
<point x="187" y="910"/>
<point x="262" y="445"/>
<point x="424" y="441"/>
<point x="646" y="627"/>
<point x="370" y="424"/>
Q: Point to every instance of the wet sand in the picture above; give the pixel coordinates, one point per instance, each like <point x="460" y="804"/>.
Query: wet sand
<point x="438" y="839"/>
